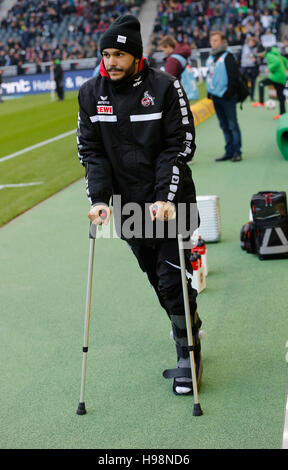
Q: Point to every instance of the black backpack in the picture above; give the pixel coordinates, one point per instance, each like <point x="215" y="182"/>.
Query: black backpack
<point x="271" y="237"/>
<point x="242" y="88"/>
<point x="269" y="211"/>
<point x="267" y="234"/>
<point x="267" y="204"/>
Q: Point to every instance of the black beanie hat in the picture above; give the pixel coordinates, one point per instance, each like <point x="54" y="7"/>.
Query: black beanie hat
<point x="124" y="34"/>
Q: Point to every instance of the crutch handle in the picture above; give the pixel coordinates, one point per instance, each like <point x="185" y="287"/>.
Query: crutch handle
<point x="103" y="214"/>
<point x="154" y="209"/>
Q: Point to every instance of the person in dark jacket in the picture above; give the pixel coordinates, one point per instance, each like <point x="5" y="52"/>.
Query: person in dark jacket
<point x="135" y="138"/>
<point x="221" y="84"/>
<point x="1" y="72"/>
<point x="250" y="62"/>
<point x="59" y="79"/>
<point x="171" y="49"/>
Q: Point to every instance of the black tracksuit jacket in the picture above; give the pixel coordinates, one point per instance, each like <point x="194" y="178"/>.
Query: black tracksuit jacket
<point x="135" y="138"/>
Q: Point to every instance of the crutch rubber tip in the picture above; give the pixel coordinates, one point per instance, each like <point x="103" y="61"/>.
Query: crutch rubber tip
<point x="81" y="410"/>
<point x="197" y="410"/>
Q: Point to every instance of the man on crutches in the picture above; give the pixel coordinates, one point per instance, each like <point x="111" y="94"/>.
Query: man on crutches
<point x="135" y="137"/>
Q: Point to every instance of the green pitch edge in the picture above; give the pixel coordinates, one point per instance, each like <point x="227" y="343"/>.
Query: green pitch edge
<point x="44" y="260"/>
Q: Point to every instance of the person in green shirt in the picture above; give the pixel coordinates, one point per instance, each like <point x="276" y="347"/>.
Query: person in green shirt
<point x="277" y="76"/>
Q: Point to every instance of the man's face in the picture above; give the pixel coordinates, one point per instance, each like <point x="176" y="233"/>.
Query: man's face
<point x="119" y="64"/>
<point x="252" y="43"/>
<point x="215" y="41"/>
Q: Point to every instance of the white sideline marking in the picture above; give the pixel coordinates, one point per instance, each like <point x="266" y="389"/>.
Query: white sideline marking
<point x="36" y="146"/>
<point x="285" y="427"/>
<point x="19" y="185"/>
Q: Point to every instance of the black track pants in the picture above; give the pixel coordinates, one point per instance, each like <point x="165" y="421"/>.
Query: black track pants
<point x="279" y="89"/>
<point x="162" y="264"/>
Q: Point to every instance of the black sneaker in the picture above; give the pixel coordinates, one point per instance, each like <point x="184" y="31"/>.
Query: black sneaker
<point x="222" y="159"/>
<point x="236" y="158"/>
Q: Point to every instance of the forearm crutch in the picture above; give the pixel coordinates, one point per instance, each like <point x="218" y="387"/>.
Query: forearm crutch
<point x="197" y="408"/>
<point x="81" y="410"/>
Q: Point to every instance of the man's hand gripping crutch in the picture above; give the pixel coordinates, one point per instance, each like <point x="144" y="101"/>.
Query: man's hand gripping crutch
<point x="163" y="211"/>
<point x="99" y="214"/>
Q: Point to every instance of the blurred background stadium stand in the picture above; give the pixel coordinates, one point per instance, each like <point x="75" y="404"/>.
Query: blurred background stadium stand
<point x="34" y="32"/>
<point x="236" y="306"/>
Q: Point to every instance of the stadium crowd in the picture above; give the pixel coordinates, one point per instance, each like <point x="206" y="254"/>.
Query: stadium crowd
<point x="36" y="31"/>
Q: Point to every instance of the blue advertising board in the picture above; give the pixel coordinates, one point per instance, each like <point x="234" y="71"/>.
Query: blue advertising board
<point x="34" y="84"/>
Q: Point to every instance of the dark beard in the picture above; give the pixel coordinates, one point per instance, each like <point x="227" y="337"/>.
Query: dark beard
<point x="128" y="73"/>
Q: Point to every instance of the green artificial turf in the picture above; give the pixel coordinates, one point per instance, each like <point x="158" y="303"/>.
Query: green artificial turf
<point x="44" y="260"/>
<point x="25" y="122"/>
<point x="31" y="119"/>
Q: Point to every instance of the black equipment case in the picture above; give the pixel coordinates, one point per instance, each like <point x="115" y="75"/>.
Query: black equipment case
<point x="268" y="204"/>
<point x="267" y="234"/>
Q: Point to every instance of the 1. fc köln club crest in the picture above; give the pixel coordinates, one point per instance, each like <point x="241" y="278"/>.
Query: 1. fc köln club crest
<point x="147" y="100"/>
